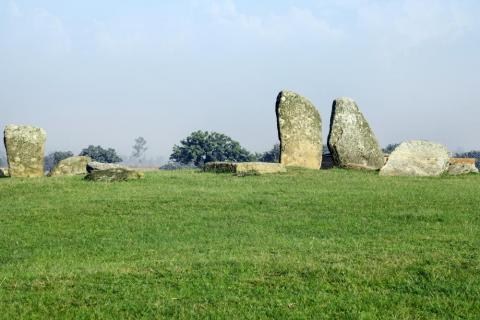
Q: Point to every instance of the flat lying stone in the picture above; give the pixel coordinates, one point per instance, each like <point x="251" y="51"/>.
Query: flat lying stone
<point x="244" y="167"/>
<point x="459" y="166"/>
<point x="351" y="141"/>
<point x="94" y="165"/>
<point x="469" y="161"/>
<point x="25" y="147"/>
<point x="71" y="166"/>
<point x="107" y="172"/>
<point x="299" y="130"/>
<point x="417" y="158"/>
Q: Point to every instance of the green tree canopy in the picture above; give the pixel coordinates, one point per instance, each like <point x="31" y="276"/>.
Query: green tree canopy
<point x="390" y="148"/>
<point x="100" y="154"/>
<point x="271" y="156"/>
<point x="202" y="146"/>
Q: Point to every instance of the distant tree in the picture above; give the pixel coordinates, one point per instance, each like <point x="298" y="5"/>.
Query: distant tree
<point x="52" y="159"/>
<point x="3" y="160"/>
<point x="270" y="156"/>
<point x="390" y="148"/>
<point x="97" y="153"/>
<point x="470" y="154"/>
<point x="171" y="166"/>
<point x="139" y="148"/>
<point x="202" y="146"/>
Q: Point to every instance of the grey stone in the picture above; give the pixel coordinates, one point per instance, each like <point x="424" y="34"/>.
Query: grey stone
<point x="107" y="172"/>
<point x="417" y="158"/>
<point x="25" y="147"/>
<point x="351" y="141"/>
<point x="71" y="166"/>
<point x="94" y="165"/>
<point x="244" y="167"/>
<point x="299" y="130"/>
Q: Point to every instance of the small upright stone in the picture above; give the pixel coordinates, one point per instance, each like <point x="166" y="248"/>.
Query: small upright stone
<point x="417" y="158"/>
<point x="299" y="131"/>
<point x="351" y="140"/>
<point x="25" y="147"/>
<point x="71" y="166"/>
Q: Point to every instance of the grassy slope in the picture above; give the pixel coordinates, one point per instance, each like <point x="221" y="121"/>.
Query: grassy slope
<point x="305" y="244"/>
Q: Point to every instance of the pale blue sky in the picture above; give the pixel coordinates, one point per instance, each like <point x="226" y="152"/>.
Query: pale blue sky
<point x="105" y="72"/>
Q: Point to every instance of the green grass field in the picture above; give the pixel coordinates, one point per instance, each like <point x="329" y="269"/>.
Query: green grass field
<point x="306" y="244"/>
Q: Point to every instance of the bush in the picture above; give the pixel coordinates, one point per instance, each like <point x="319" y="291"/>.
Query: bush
<point x="97" y="153"/>
<point x="270" y="156"/>
<point x="201" y="147"/>
<point x="390" y="148"/>
<point x="177" y="166"/>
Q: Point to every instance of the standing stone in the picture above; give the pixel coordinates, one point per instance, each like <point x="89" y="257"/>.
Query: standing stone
<point x="71" y="166"/>
<point x="299" y="131"/>
<point x="351" y="140"/>
<point x="25" y="147"/>
<point x="417" y="158"/>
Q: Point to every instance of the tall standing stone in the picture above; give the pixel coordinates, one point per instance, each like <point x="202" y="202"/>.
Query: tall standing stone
<point x="25" y="147"/>
<point x="299" y="131"/>
<point x="351" y="140"/>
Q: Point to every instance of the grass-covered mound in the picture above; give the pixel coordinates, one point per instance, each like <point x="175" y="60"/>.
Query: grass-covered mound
<point x="305" y="244"/>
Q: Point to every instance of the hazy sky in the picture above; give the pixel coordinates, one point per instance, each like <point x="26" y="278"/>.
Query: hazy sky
<point x="105" y="72"/>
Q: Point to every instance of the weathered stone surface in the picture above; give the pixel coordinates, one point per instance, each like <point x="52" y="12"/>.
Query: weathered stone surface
<point x="351" y="140"/>
<point x="299" y="131"/>
<point x="94" y="165"/>
<point x="108" y="172"/>
<point x="4" y="173"/>
<point x="244" y="167"/>
<point x="25" y="147"/>
<point x="71" y="166"/>
<point x="459" y="166"/>
<point x="417" y="158"/>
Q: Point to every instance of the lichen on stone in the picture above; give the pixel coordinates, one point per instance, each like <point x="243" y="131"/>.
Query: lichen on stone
<point x="417" y="158"/>
<point x="25" y="146"/>
<point x="299" y="130"/>
<point x="351" y="141"/>
<point x="71" y="166"/>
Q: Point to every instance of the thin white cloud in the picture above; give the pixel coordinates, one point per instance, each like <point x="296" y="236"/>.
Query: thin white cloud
<point x="295" y="21"/>
<point x="411" y="23"/>
<point x="36" y="30"/>
<point x="14" y="10"/>
<point x="52" y="29"/>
